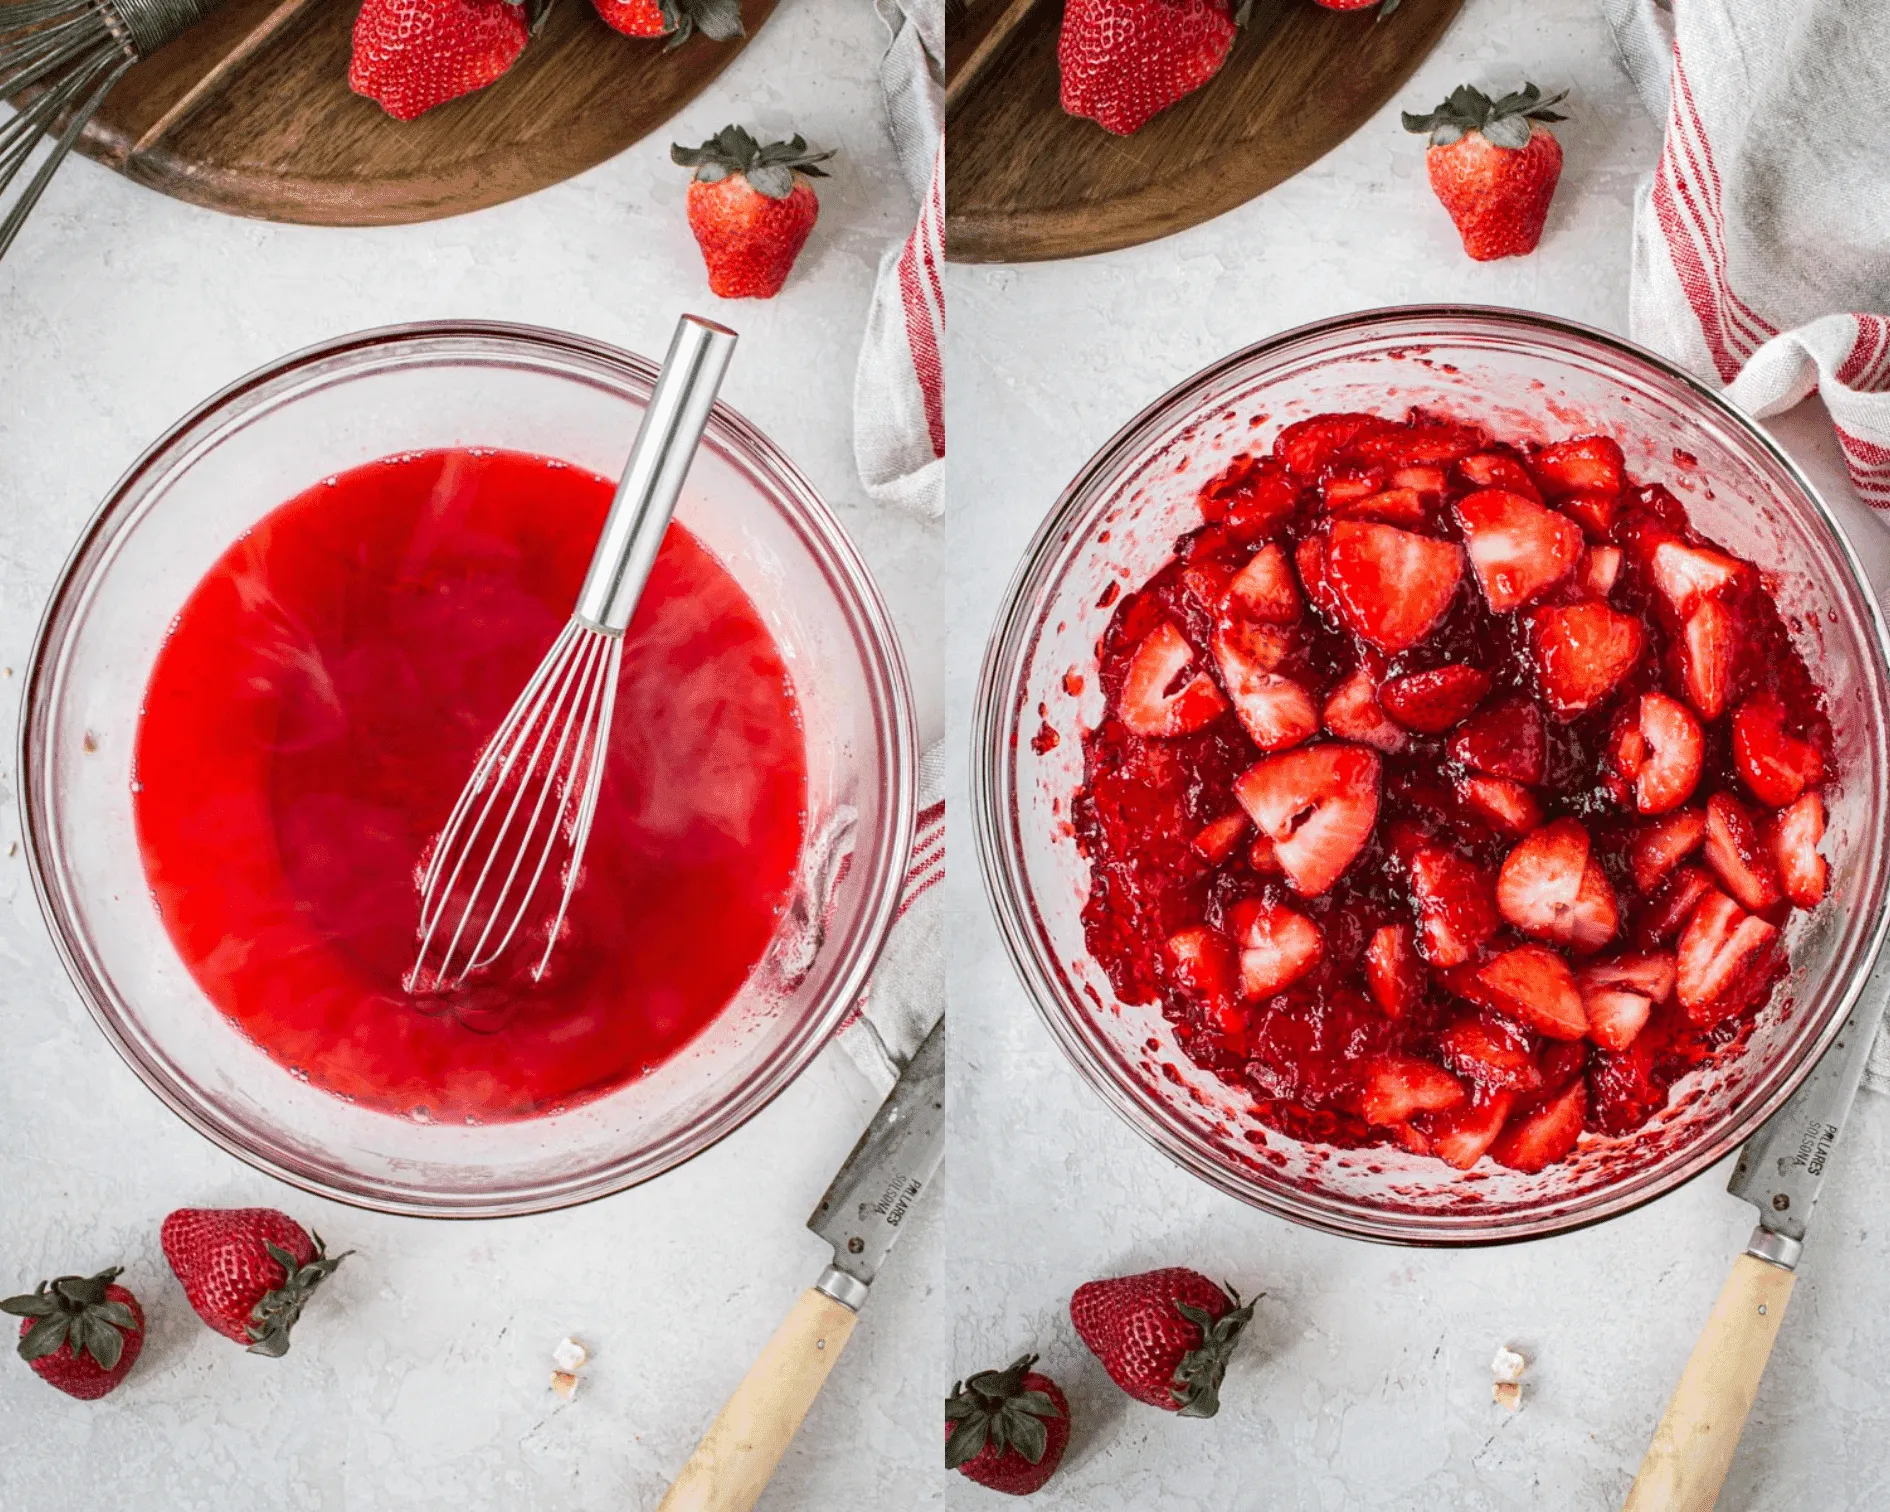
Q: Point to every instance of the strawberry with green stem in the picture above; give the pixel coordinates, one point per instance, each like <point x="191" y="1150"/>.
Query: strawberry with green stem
<point x="751" y="208"/>
<point x="80" y="1333"/>
<point x="1007" y="1429"/>
<point x="1164" y="1336"/>
<point x="1493" y="166"/>
<point x="248" y="1271"/>
<point x="679" y="20"/>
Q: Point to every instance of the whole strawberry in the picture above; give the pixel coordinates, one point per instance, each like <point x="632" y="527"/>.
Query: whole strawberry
<point x="1164" y="1336"/>
<point x="410" y="55"/>
<point x="1494" y="166"/>
<point x="751" y="208"/>
<point x="247" y="1271"/>
<point x="1007" y="1429"/>
<point x="80" y="1333"/>
<point x="678" y="20"/>
<point x="1123" y="61"/>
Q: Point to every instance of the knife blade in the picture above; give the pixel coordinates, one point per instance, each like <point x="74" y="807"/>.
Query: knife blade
<point x="893" y="1162"/>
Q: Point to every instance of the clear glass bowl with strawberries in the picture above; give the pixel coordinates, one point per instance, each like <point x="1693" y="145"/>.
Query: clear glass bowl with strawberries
<point x="1429" y="775"/>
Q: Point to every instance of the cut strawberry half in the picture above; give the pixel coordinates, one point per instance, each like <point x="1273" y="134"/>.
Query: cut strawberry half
<point x="1516" y="547"/>
<point x="1216" y="841"/>
<point x="1489" y="1056"/>
<point x="1353" y="713"/>
<point x="1582" y="651"/>
<point x="1507" y="807"/>
<point x="1534" y="986"/>
<point x="1391" y="586"/>
<point x="1309" y="558"/>
<point x="1462" y="1136"/>
<point x="1317" y="805"/>
<point x="1709" y="654"/>
<point x="1201" y="964"/>
<point x="1600" y="568"/>
<point x="1658" y="847"/>
<point x="1343" y="488"/>
<point x="1264" y="589"/>
<point x="1456" y="905"/>
<point x="1775" y="767"/>
<point x="1594" y="512"/>
<point x="1587" y="464"/>
<point x="1508" y="739"/>
<point x="1719" y="945"/>
<point x="1650" y="973"/>
<point x="1495" y="470"/>
<point x="1393" y="972"/>
<point x="1670" y="908"/>
<point x="1552" y="888"/>
<point x="1421" y="478"/>
<point x="1432" y="701"/>
<point x="1795" y="837"/>
<point x="1393" y="1088"/>
<point x="1277" y="946"/>
<point x="1685" y="576"/>
<point x="1307" y="447"/>
<point x="1275" y="711"/>
<point x="1536" y="1140"/>
<point x="1158" y="698"/>
<point x="1738" y="855"/>
<point x="1660" y="754"/>
<point x="1615" y="1016"/>
<point x="1394" y="506"/>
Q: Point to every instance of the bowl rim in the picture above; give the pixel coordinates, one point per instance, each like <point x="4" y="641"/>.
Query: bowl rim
<point x="993" y="759"/>
<point x="898" y="752"/>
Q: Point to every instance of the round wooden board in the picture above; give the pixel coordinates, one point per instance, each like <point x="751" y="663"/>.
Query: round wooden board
<point x="250" y="113"/>
<point x="1025" y="182"/>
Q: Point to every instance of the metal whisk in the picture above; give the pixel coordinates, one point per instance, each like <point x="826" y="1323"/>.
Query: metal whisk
<point x="533" y="792"/>
<point x="74" y="51"/>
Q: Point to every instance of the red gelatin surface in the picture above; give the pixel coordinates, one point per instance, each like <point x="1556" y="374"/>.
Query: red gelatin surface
<point x="313" y="714"/>
<point x="1318" y="1056"/>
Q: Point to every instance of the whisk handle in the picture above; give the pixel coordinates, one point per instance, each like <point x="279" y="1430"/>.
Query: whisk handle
<point x="653" y="477"/>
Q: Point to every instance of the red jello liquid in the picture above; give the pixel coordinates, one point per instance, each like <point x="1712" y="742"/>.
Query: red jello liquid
<point x="312" y="716"/>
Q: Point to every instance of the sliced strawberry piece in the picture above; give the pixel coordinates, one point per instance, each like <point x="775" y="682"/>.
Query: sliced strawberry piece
<point x="1507" y="739"/>
<point x="1456" y="905"/>
<point x="1738" y="855"/>
<point x="1615" y="1016"/>
<point x="1391" y="586"/>
<point x="1201" y="962"/>
<point x="1353" y="713"/>
<point x="1308" y="446"/>
<point x="1277" y="947"/>
<point x="1582" y="652"/>
<point x="1392" y="970"/>
<point x="1536" y="1140"/>
<point x="1158" y="699"/>
<point x="1394" y="1087"/>
<point x="1516" y="547"/>
<point x="1795" y="837"/>
<point x="1600" y="567"/>
<point x="1489" y="1056"/>
<point x="1670" y="908"/>
<point x="1594" y="512"/>
<point x="1495" y="470"/>
<point x="1395" y="506"/>
<point x="1507" y="807"/>
<point x="1622" y="1091"/>
<point x="1317" y="805"/>
<point x="1660" y="846"/>
<point x="1206" y="583"/>
<point x="1216" y="841"/>
<point x="1687" y="575"/>
<point x="1551" y="887"/>
<point x="1264" y="589"/>
<point x="1462" y="1136"/>
<point x="1660" y="754"/>
<point x="1344" y="487"/>
<point x="1253" y="497"/>
<point x="1431" y="702"/>
<point x="1424" y="442"/>
<point x="1650" y="974"/>
<point x="1774" y="766"/>
<point x="1709" y="652"/>
<point x="1534" y="986"/>
<point x="1587" y="464"/>
<point x="1309" y="558"/>
<point x="1422" y="478"/>
<point x="1275" y="711"/>
<point x="1720" y="943"/>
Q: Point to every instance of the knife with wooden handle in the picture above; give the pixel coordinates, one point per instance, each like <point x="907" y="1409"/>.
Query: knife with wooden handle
<point x="1779" y="1172"/>
<point x="860" y="1217"/>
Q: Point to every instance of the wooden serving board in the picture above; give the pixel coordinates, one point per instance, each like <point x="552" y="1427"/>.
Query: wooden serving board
<point x="250" y="113"/>
<point x="1025" y="182"/>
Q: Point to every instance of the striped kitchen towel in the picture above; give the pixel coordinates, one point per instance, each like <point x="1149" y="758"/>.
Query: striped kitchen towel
<point x="1762" y="241"/>
<point x="899" y="387"/>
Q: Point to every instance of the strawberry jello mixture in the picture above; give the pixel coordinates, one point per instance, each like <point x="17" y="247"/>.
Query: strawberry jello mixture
<point x="313" y="714"/>
<point x="1451" y="793"/>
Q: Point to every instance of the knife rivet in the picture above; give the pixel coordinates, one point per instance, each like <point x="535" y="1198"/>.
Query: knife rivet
<point x="1781" y="1201"/>
<point x="855" y="1245"/>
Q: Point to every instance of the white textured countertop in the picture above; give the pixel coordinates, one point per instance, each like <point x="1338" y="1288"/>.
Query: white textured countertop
<point x="1365" y="1383"/>
<point x="418" y="1379"/>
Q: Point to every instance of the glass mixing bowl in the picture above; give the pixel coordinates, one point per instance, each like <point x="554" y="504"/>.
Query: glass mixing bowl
<point x="267" y="438"/>
<point x="1523" y="376"/>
